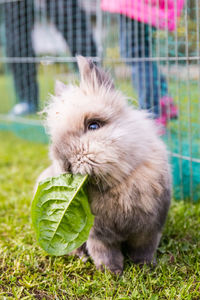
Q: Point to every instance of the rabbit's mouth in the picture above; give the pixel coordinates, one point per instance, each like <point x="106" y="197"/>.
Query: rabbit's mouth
<point x="82" y="167"/>
<point x="95" y="175"/>
<point x="98" y="175"/>
<point x="83" y="163"/>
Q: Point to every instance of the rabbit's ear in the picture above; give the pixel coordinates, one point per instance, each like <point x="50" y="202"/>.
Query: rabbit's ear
<point x="59" y="87"/>
<point x="93" y="76"/>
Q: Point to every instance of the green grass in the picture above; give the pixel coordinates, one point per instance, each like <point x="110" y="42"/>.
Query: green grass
<point x="27" y="272"/>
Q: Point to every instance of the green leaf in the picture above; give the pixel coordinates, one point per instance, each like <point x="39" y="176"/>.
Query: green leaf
<point x="61" y="214"/>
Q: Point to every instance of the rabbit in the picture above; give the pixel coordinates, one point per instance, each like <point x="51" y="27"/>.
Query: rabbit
<point x="95" y="131"/>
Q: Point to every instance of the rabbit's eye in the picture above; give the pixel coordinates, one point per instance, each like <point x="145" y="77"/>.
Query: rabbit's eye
<point x="93" y="125"/>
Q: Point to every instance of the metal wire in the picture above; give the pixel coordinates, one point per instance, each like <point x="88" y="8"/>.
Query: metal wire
<point x="55" y="59"/>
<point x="147" y="60"/>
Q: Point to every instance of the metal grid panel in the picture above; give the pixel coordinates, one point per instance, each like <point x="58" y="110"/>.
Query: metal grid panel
<point x="148" y="61"/>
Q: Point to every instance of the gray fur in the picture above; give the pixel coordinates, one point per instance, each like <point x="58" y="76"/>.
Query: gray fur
<point x="130" y="183"/>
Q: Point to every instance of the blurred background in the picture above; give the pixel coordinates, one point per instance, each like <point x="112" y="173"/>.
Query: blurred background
<point x="151" y="47"/>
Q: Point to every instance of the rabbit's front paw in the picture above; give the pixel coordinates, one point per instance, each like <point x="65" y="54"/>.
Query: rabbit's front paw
<point x="106" y="256"/>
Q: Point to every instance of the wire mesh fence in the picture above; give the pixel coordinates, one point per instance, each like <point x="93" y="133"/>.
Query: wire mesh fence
<point x="152" y="48"/>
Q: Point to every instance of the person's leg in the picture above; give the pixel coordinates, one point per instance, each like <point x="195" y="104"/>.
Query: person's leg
<point x="151" y="86"/>
<point x="19" y="20"/>
<point x="145" y="81"/>
<point x="134" y="43"/>
<point x="75" y="26"/>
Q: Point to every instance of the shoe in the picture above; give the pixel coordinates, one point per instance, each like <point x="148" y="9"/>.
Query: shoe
<point x="168" y="109"/>
<point x="22" y="109"/>
<point x="161" y="124"/>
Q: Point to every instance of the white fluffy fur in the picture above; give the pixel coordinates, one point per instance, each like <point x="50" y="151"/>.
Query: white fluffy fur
<point x="129" y="187"/>
<point x="129" y="138"/>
